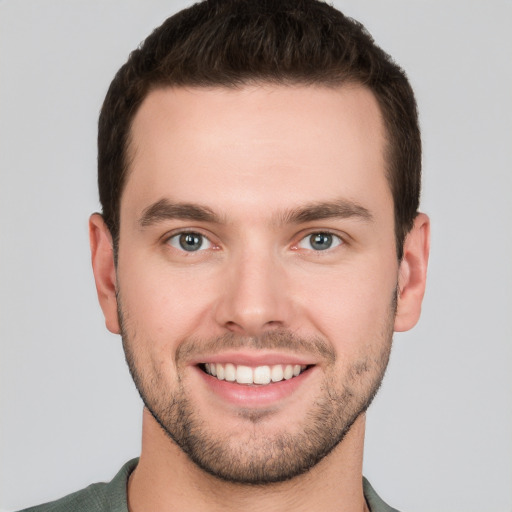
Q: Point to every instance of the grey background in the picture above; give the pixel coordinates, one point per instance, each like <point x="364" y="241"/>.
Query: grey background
<point x="439" y="434"/>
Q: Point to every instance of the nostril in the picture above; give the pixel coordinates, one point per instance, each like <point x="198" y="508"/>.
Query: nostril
<point x="274" y="324"/>
<point x="234" y="327"/>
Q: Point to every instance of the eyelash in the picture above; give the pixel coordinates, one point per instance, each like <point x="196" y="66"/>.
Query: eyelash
<point x="336" y="239"/>
<point x="177" y="237"/>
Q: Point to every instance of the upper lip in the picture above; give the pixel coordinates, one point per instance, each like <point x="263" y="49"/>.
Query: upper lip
<point x="254" y="359"/>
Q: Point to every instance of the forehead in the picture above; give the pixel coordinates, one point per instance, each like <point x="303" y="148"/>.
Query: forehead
<point x="231" y="148"/>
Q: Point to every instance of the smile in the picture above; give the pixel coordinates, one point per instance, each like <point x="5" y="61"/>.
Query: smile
<point x="261" y="375"/>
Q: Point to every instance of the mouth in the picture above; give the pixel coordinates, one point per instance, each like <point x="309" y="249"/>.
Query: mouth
<point x="253" y="376"/>
<point x="249" y="381"/>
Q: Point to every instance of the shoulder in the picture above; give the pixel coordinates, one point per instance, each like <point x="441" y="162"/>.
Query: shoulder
<point x="99" y="497"/>
<point x="90" y="499"/>
<point x="374" y="501"/>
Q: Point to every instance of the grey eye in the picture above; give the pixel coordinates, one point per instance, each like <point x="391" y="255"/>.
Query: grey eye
<point x="189" y="242"/>
<point x="320" y="241"/>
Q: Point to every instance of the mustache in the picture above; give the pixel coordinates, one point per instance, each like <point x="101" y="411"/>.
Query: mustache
<point x="273" y="340"/>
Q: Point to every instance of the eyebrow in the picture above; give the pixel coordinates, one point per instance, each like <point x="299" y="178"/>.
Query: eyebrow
<point x="340" y="209"/>
<point x="165" y="210"/>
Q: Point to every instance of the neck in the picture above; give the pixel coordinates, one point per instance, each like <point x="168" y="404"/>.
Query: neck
<point x="166" y="480"/>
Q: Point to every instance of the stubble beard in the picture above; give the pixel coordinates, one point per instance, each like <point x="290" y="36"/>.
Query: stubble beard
<point x="256" y="457"/>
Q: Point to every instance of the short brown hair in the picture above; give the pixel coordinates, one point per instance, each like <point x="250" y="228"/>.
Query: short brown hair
<point x="230" y="43"/>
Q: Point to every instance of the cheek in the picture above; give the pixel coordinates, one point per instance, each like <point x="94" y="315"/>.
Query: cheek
<point x="164" y="304"/>
<point x="353" y="307"/>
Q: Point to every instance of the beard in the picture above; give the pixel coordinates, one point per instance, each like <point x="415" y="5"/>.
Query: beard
<point x="253" y="454"/>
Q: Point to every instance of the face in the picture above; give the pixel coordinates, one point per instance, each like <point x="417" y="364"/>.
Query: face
<point x="257" y="271"/>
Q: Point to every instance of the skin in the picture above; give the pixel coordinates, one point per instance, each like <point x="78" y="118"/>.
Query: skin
<point x="253" y="157"/>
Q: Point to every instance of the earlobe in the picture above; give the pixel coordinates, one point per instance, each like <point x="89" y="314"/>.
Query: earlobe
<point x="413" y="274"/>
<point x="102" y="256"/>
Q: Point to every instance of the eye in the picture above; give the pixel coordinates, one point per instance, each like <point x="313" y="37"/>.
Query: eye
<point x="320" y="241"/>
<point x="189" y="242"/>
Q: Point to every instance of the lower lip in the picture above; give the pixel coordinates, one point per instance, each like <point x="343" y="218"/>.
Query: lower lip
<point x="243" y="395"/>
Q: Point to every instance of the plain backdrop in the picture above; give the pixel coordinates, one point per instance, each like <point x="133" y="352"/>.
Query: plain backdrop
<point x="439" y="434"/>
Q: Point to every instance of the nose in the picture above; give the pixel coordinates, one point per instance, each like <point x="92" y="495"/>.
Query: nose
<point x="255" y="297"/>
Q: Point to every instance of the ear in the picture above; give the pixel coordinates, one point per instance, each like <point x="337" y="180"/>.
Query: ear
<point x="102" y="255"/>
<point x="413" y="274"/>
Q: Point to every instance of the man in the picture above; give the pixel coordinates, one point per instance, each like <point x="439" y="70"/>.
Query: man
<point x="259" y="173"/>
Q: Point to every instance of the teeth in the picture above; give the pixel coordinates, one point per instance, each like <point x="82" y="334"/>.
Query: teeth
<point x="259" y="375"/>
<point x="277" y="373"/>
<point x="230" y="372"/>
<point x="244" y="375"/>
